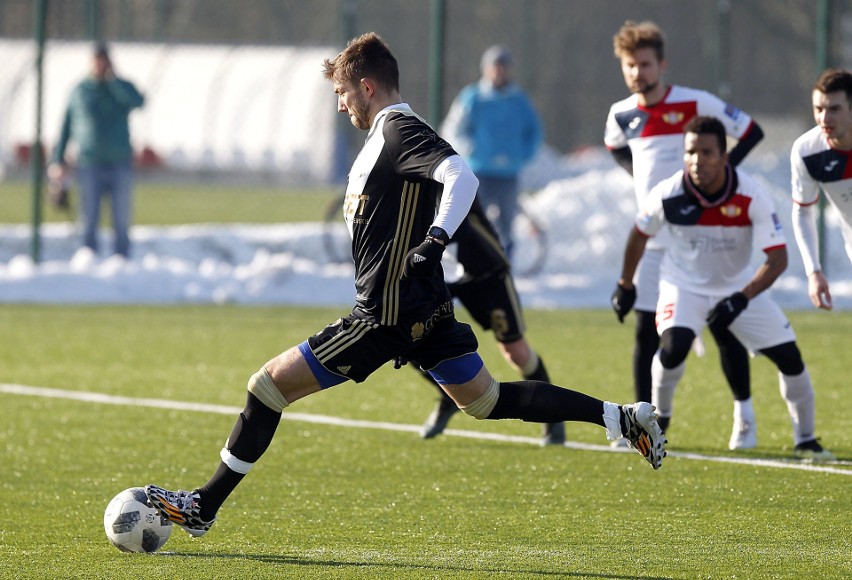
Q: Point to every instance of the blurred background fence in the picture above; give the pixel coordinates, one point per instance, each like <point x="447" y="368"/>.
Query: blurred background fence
<point x="235" y="94"/>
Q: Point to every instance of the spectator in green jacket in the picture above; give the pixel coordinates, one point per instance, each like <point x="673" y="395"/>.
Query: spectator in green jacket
<point x="96" y="119"/>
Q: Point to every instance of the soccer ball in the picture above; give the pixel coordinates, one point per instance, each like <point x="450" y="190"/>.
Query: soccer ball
<point x="132" y="524"/>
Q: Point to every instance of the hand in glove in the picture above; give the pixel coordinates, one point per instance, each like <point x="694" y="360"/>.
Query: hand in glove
<point x="726" y="311"/>
<point x="423" y="261"/>
<point x="622" y="301"/>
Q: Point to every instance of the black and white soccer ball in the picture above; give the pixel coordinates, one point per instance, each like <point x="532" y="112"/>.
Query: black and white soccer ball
<point x="132" y="524"/>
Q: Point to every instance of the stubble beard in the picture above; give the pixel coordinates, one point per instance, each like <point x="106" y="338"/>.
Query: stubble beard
<point x="647" y="89"/>
<point x="358" y="115"/>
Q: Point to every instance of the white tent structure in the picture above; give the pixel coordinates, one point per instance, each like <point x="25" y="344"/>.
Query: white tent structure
<point x="208" y="107"/>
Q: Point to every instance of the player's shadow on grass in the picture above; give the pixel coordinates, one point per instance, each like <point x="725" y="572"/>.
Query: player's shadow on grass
<point x="302" y="561"/>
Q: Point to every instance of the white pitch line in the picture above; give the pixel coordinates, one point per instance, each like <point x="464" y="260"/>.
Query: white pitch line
<point x="90" y="397"/>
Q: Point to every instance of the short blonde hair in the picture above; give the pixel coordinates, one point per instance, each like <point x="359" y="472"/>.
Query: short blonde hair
<point x="364" y="56"/>
<point x="632" y="36"/>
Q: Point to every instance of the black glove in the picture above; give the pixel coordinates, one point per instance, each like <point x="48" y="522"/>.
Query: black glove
<point x="726" y="311"/>
<point x="622" y="301"/>
<point x="423" y="261"/>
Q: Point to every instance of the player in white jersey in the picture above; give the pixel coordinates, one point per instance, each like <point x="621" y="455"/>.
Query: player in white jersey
<point x="714" y="216"/>
<point x="822" y="158"/>
<point x="644" y="133"/>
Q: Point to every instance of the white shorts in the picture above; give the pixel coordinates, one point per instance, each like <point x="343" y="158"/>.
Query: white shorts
<point x="761" y="325"/>
<point x="647" y="280"/>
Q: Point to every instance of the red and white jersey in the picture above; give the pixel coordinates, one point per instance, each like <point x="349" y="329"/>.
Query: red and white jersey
<point x="709" y="249"/>
<point x="813" y="163"/>
<point x="655" y="134"/>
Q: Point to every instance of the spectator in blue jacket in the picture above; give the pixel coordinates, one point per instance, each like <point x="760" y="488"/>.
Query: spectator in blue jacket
<point x="494" y="126"/>
<point x="96" y="119"/>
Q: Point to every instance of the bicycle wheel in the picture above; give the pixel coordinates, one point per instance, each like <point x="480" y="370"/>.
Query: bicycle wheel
<point x="529" y="250"/>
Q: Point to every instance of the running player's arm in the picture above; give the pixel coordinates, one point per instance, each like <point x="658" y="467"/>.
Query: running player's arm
<point x="805" y="231"/>
<point x="648" y="221"/>
<point x="419" y="152"/>
<point x="753" y="135"/>
<point x="633" y="251"/>
<point x="805" y="193"/>
<point x="624" y="157"/>
<point x="774" y="266"/>
<point x="738" y="124"/>
<point x="805" y="197"/>
<point x="768" y="235"/>
<point x="460" y="186"/>
<point x="616" y="141"/>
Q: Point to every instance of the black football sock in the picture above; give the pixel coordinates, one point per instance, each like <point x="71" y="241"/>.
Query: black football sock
<point x="539" y="374"/>
<point x="217" y="489"/>
<point x="647" y="344"/>
<point x="539" y="402"/>
<point x="250" y="437"/>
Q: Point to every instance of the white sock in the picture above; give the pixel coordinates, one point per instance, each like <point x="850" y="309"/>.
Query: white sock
<point x="612" y="420"/>
<point x="799" y="395"/>
<point x="744" y="411"/>
<point x="663" y="382"/>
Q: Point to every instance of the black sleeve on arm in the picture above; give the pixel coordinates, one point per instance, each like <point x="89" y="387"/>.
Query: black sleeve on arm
<point x="415" y="149"/>
<point x="624" y="157"/>
<point x="746" y="144"/>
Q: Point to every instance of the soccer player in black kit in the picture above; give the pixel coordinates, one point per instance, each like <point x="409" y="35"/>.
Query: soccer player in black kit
<point x="403" y="309"/>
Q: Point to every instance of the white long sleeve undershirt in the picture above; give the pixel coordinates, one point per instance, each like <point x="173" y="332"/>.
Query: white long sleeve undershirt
<point x="460" y="185"/>
<point x="805" y="230"/>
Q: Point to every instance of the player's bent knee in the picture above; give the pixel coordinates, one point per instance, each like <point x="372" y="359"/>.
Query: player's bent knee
<point x="261" y="386"/>
<point x="675" y="343"/>
<point x="787" y="357"/>
<point x="481" y="408"/>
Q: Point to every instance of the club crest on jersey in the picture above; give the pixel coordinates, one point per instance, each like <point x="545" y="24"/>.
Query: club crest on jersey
<point x="417" y="330"/>
<point x="673" y="117"/>
<point x="731" y="210"/>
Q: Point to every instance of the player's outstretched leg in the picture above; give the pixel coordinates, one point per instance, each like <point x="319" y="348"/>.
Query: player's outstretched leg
<point x="540" y="402"/>
<point x="551" y="433"/>
<point x="195" y="511"/>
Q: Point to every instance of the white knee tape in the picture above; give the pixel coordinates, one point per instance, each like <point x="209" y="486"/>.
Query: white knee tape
<point x="261" y="386"/>
<point x="482" y="407"/>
